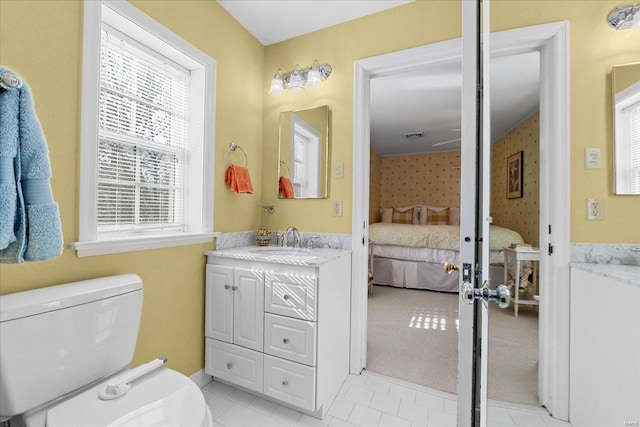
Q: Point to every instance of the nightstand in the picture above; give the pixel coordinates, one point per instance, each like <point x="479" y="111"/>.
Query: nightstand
<point x="517" y="255"/>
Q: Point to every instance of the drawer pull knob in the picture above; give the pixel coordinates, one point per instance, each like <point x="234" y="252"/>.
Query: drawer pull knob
<point x="285" y="340"/>
<point x="229" y="365"/>
<point x="285" y="383"/>
<point x="234" y="288"/>
<point x="227" y="286"/>
<point x="286" y="297"/>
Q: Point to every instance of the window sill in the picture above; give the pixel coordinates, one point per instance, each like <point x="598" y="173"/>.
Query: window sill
<point x="139" y="243"/>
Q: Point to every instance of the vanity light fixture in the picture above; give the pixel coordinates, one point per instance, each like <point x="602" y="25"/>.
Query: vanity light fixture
<point x="625" y="17"/>
<point x="298" y="79"/>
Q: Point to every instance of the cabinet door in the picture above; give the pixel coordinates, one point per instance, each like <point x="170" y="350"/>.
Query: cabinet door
<point x="219" y="303"/>
<point x="248" y="301"/>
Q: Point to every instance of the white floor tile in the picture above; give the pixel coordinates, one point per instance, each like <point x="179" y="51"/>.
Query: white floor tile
<point x="552" y="422"/>
<point x="262" y="406"/>
<point x="336" y="422"/>
<point x="307" y="421"/>
<point x="218" y="388"/>
<point x="441" y="419"/>
<point x="237" y="416"/>
<point x="388" y="420"/>
<point x="527" y="419"/>
<point x="385" y="403"/>
<point x="359" y="394"/>
<point x="402" y="392"/>
<point x="450" y="406"/>
<point x="341" y="408"/>
<point x="430" y="400"/>
<point x="413" y="412"/>
<point x="286" y="415"/>
<point x="357" y="379"/>
<point x="364" y="416"/>
<point x="218" y="406"/>
<point x="261" y="420"/>
<point x="376" y="384"/>
<point x="499" y="415"/>
<point x="241" y="397"/>
<point x="344" y="389"/>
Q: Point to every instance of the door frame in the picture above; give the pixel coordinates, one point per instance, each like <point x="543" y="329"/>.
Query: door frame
<point x="552" y="42"/>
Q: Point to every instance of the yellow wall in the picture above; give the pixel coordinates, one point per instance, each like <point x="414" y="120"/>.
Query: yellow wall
<point x="42" y="41"/>
<point x="594" y="49"/>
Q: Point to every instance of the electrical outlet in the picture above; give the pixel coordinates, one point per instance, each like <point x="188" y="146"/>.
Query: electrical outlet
<point x="594" y="209"/>
<point x="338" y="170"/>
<point x="337" y="208"/>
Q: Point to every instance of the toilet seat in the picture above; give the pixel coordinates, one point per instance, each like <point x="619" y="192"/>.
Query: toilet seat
<point x="161" y="398"/>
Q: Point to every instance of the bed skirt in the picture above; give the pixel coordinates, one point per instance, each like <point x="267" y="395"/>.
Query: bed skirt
<point x="422" y="275"/>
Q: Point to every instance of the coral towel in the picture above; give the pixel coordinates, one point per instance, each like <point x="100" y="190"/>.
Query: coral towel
<point x="285" y="187"/>
<point x="239" y="180"/>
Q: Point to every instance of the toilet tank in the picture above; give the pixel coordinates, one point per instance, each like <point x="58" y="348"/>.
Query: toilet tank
<point x="57" y="339"/>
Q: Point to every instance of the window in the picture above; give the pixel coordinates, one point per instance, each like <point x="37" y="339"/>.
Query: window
<point x="147" y="134"/>
<point x="627" y="140"/>
<point x="305" y="158"/>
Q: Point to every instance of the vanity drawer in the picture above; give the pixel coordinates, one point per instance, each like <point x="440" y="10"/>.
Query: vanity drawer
<point x="290" y="339"/>
<point x="292" y="295"/>
<point x="290" y="382"/>
<point x="234" y="364"/>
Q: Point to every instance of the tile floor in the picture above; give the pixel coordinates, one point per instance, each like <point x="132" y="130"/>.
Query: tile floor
<point x="367" y="400"/>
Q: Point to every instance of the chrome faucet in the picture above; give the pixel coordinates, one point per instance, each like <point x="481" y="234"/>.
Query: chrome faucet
<point x="295" y="234"/>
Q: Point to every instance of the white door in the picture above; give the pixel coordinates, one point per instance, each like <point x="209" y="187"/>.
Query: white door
<point x="219" y="303"/>
<point x="474" y="217"/>
<point x="248" y="305"/>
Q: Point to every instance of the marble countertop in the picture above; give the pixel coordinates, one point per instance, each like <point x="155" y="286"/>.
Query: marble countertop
<point x="624" y="273"/>
<point x="281" y="255"/>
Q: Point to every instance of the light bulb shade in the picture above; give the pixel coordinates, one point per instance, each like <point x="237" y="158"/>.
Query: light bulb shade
<point x="277" y="85"/>
<point x="296" y="81"/>
<point x="314" y="79"/>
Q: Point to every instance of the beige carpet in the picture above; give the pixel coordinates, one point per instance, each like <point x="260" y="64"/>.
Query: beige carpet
<point x="413" y="336"/>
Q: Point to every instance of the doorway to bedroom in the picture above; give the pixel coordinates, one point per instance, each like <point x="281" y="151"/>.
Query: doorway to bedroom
<point x="414" y="199"/>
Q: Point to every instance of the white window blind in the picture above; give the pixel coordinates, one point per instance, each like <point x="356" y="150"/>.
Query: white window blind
<point x="142" y="138"/>
<point x="634" y="131"/>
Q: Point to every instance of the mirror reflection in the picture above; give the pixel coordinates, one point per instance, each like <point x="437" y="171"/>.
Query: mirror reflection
<point x="626" y="122"/>
<point x="303" y="155"/>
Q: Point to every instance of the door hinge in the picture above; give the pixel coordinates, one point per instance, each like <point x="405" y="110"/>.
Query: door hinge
<point x="549" y="228"/>
<point x="363" y="244"/>
<point x="550" y="249"/>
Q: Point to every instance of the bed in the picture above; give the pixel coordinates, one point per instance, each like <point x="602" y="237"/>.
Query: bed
<point x="413" y="256"/>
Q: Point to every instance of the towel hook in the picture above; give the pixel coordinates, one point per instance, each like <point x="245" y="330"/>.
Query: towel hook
<point x="232" y="147"/>
<point x="282" y="162"/>
<point x="10" y="81"/>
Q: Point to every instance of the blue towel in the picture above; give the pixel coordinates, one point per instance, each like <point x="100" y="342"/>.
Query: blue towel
<point x="29" y="217"/>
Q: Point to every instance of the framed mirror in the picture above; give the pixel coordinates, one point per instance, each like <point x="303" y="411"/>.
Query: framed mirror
<point x="303" y="153"/>
<point x="626" y="125"/>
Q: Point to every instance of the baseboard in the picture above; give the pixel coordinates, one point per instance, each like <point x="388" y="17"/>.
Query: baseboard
<point x="201" y="378"/>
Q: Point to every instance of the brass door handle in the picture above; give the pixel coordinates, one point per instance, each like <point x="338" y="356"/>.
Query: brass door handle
<point x="450" y="268"/>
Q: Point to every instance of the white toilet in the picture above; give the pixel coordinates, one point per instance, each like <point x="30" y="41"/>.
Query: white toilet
<point x="64" y="356"/>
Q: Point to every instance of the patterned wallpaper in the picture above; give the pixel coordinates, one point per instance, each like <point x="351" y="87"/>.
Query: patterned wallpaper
<point x="375" y="167"/>
<point x="518" y="214"/>
<point x="434" y="179"/>
<point x="421" y="179"/>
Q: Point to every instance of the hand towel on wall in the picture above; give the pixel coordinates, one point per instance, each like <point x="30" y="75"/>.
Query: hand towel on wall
<point x="238" y="178"/>
<point x="285" y="187"/>
<point x="29" y="217"/>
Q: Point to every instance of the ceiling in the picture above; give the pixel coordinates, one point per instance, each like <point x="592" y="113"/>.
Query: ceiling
<point x="426" y="100"/>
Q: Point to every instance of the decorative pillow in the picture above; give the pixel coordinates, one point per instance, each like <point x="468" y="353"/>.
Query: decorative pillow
<point x="454" y="216"/>
<point x="422" y="217"/>
<point x="386" y="214"/>
<point x="402" y="216"/>
<point x="438" y="217"/>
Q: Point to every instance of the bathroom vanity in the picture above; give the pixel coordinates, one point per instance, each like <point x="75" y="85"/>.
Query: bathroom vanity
<point x="277" y="323"/>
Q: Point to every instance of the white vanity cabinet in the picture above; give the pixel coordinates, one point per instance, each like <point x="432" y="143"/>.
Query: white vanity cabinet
<point x="280" y="330"/>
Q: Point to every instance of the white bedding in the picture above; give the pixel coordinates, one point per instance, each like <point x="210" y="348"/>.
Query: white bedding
<point x="435" y="236"/>
<point x="438" y="256"/>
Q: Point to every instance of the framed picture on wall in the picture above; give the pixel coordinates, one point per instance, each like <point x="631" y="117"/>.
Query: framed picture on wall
<point x="514" y="176"/>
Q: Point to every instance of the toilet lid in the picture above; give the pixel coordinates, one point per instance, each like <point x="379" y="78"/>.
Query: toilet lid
<point x="161" y="398"/>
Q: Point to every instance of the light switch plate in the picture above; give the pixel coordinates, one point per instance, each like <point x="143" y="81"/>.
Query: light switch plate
<point x="337" y="208"/>
<point x="338" y="170"/>
<point x="592" y="158"/>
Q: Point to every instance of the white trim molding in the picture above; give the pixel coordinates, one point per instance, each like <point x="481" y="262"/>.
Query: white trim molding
<point x="552" y="41"/>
